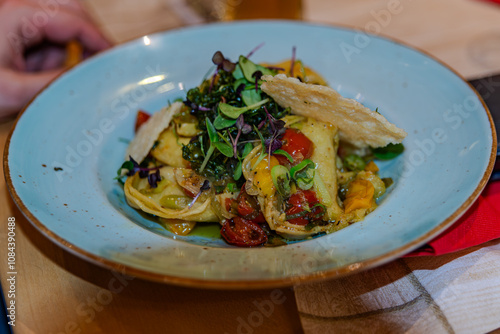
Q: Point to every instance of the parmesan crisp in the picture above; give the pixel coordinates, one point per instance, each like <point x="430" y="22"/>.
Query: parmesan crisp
<point x="357" y="124"/>
<point x="149" y="132"/>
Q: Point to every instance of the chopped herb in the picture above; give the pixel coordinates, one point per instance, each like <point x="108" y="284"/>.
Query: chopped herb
<point x="284" y="153"/>
<point x="303" y="174"/>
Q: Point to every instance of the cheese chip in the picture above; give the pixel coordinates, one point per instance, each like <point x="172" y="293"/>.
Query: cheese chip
<point x="149" y="132"/>
<point x="357" y="124"/>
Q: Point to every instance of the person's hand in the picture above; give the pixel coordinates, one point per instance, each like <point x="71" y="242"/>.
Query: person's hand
<point x="33" y="35"/>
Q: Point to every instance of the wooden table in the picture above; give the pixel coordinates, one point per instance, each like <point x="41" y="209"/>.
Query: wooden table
<point x="57" y="292"/>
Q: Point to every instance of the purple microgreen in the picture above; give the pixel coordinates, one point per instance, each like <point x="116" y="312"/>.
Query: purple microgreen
<point x="137" y="168"/>
<point x="228" y="66"/>
<point x="218" y="58"/>
<point x="133" y="167"/>
<point x="247" y="128"/>
<point x="277" y="125"/>
<point x="234" y="143"/>
<point x="190" y="104"/>
<point x="292" y="61"/>
<point x="153" y="179"/>
<point x="240" y="89"/>
<point x="240" y="122"/>
<point x="273" y="144"/>
<point x="261" y="124"/>
<point x="278" y="128"/>
<point x="255" y="49"/>
<point x="242" y="126"/>
<point x="222" y="64"/>
<point x="257" y="75"/>
<point x="193" y="106"/>
<point x="204" y="186"/>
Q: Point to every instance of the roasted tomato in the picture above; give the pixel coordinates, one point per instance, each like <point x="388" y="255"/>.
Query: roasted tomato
<point x="248" y="208"/>
<point x="140" y="119"/>
<point x="297" y="145"/>
<point x="240" y="232"/>
<point x="300" y="205"/>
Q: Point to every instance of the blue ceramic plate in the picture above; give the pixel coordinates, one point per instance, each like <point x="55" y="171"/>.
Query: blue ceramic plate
<point x="65" y="149"/>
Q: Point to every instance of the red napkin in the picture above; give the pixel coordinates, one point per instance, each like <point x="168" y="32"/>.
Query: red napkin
<point x="480" y="224"/>
<point x="495" y="1"/>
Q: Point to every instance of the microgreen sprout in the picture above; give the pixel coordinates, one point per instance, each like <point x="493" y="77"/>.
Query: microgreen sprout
<point x="204" y="186"/>
<point x="222" y="64"/>
<point x="233" y="112"/>
<point x="292" y="61"/>
<point x="193" y="106"/>
<point x="257" y="75"/>
<point x="255" y="49"/>
<point x="242" y="128"/>
<point x="213" y="136"/>
<point x="278" y="128"/>
<point x="133" y="167"/>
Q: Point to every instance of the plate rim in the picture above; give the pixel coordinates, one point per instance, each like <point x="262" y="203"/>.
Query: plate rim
<point x="233" y="284"/>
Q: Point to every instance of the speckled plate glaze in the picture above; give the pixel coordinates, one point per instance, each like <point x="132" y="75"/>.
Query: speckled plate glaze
<point x="64" y="151"/>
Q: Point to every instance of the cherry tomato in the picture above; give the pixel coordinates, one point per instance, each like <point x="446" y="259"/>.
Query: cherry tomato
<point x="240" y="232"/>
<point x="298" y="203"/>
<point x="297" y="145"/>
<point x="140" y="119"/>
<point x="248" y="208"/>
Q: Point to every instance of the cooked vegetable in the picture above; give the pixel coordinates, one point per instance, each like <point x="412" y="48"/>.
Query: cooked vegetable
<point x="243" y="233"/>
<point x="359" y="195"/>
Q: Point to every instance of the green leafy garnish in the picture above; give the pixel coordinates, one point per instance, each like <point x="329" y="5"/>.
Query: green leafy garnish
<point x="213" y="135"/>
<point x="224" y="148"/>
<point x="222" y="122"/>
<point x="388" y="152"/>
<point x="303" y="174"/>
<point x="251" y="97"/>
<point x="249" y="68"/>
<point x="233" y="112"/>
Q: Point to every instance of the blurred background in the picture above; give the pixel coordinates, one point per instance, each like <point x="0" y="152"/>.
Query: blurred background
<point x="463" y="33"/>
